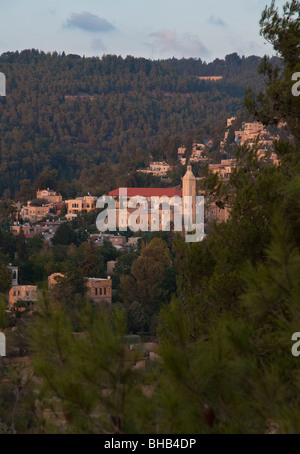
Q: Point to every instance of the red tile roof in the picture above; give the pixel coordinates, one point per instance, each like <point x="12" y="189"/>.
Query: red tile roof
<point x="148" y="192"/>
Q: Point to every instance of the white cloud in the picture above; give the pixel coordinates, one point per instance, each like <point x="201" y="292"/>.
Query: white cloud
<point x="89" y="22"/>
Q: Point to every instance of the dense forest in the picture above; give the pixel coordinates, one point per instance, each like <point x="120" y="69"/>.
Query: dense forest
<point x="95" y="120"/>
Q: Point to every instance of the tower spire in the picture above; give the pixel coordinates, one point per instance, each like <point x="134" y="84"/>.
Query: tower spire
<point x="189" y="189"/>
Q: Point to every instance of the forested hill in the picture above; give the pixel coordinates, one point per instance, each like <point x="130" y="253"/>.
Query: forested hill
<point x="76" y="114"/>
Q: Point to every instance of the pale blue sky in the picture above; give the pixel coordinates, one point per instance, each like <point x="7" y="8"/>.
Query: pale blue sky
<point x="149" y="28"/>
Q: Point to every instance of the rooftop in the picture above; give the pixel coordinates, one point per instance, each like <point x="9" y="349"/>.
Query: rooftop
<point x="147" y="192"/>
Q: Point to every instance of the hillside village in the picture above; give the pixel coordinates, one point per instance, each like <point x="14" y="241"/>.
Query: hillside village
<point x="48" y="211"/>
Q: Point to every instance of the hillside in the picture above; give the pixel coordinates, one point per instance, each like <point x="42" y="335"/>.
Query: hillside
<point x="74" y="114"/>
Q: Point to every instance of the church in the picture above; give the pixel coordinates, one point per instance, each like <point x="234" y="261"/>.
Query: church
<point x="154" y="209"/>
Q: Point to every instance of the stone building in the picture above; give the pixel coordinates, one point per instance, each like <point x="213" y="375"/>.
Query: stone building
<point x="118" y="240"/>
<point x="152" y="214"/>
<point x="144" y="217"/>
<point x="29" y="230"/>
<point x="75" y="206"/>
<point x="99" y="290"/>
<point x="35" y="213"/>
<point x="25" y="293"/>
<point x="14" y="271"/>
<point x="54" y="279"/>
<point x="215" y="213"/>
<point x="224" y="169"/>
<point x="49" y="195"/>
<point x="28" y="294"/>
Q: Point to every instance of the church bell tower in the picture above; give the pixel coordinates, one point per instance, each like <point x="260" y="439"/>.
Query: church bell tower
<point x="189" y="189"/>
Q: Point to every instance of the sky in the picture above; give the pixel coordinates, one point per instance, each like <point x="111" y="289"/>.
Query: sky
<point x="153" y="29"/>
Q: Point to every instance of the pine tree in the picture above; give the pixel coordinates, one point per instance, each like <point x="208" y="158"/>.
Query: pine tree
<point x="5" y="279"/>
<point x="277" y="103"/>
<point x="88" y="380"/>
<point x="225" y="340"/>
<point x="90" y="265"/>
<point x="21" y="245"/>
